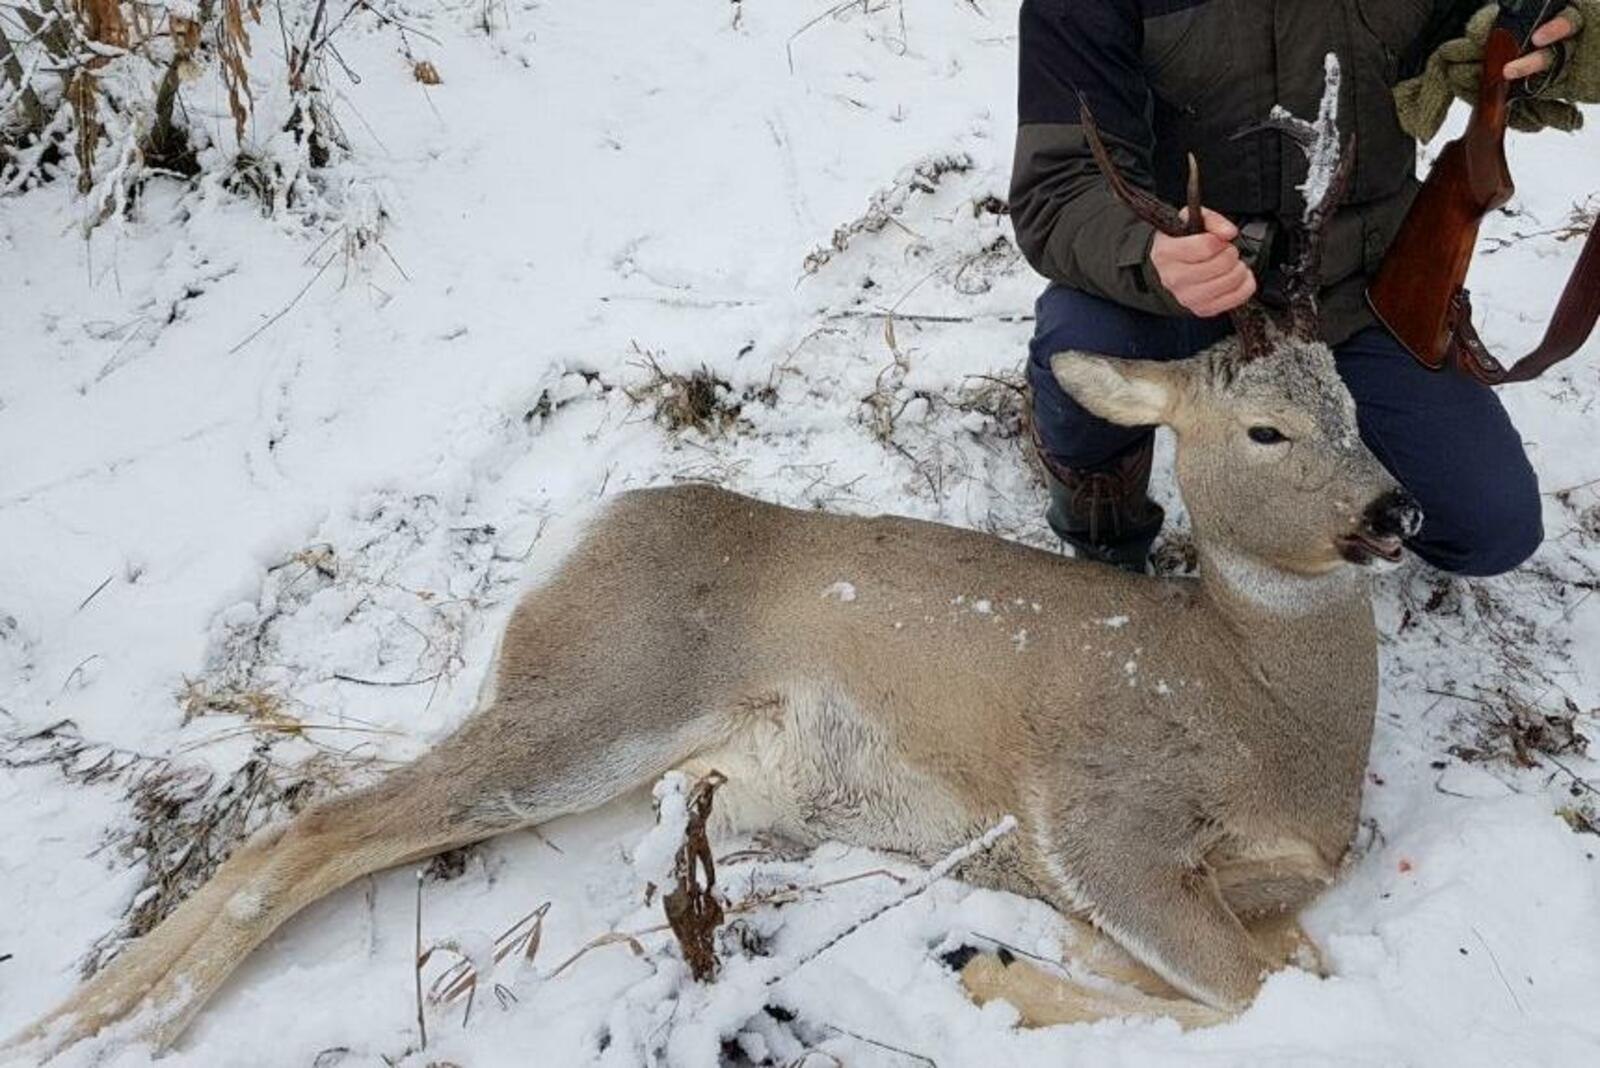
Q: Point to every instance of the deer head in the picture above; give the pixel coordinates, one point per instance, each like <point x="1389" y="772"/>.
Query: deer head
<point x="1270" y="461"/>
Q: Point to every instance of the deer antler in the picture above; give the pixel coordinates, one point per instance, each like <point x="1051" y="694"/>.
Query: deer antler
<point x="1151" y="209"/>
<point x="1327" y="181"/>
<point x="1250" y="318"/>
<point x="1331" y="166"/>
<point x="1304" y="276"/>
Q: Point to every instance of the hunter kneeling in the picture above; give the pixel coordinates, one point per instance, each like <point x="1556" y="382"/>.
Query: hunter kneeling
<point x="1170" y="80"/>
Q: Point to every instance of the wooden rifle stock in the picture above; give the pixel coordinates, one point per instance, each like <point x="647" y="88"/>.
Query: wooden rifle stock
<point x="1418" y="293"/>
<point x="1415" y="291"/>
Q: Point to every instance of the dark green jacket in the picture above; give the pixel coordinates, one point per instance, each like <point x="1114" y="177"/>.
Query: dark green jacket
<point x="1170" y="77"/>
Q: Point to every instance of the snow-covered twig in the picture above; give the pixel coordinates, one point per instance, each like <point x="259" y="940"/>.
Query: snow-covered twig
<point x="939" y="871"/>
<point x="418" y="959"/>
<point x="524" y="935"/>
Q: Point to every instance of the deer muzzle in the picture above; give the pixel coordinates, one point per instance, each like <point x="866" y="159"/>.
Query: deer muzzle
<point x="1385" y="526"/>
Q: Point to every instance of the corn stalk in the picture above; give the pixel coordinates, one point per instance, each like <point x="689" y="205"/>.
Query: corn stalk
<point x="89" y="89"/>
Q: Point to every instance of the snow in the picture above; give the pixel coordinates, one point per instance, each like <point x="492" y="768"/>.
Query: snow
<point x="239" y="451"/>
<point x="654" y="856"/>
<point x="842" y="591"/>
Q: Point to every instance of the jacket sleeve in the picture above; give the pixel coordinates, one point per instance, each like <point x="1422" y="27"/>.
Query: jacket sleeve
<point x="1068" y="224"/>
<point x="1448" y="20"/>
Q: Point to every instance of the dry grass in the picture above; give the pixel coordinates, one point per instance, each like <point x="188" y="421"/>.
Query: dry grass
<point x="184" y="820"/>
<point x="1001" y="399"/>
<point x="78" y="760"/>
<point x="695" y="911"/>
<point x="101" y="79"/>
<point x="698" y="401"/>
<point x="99" y="91"/>
<point x="254" y="705"/>
<point x="1513" y="729"/>
<point x="884" y="207"/>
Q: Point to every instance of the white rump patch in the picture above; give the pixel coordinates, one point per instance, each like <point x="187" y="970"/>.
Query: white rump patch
<point x="843" y="591"/>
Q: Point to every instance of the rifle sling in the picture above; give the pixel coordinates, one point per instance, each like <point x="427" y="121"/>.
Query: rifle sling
<point x="1574" y="319"/>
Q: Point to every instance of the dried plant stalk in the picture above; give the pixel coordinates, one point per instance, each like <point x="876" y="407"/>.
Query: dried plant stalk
<point x="83" y="97"/>
<point x="234" y="48"/>
<point x="103" y="21"/>
<point x="692" y="908"/>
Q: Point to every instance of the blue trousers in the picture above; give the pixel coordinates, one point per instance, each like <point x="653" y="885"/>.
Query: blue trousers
<point x="1443" y="436"/>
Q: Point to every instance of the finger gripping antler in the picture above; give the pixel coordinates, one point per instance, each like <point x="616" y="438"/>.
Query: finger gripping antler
<point x="1250" y="318"/>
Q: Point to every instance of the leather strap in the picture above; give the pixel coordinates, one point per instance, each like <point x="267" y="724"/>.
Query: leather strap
<point x="1575" y="316"/>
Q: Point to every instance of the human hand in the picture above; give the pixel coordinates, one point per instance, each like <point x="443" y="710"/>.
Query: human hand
<point x="1538" y="61"/>
<point x="1203" y="271"/>
<point x="1455" y="69"/>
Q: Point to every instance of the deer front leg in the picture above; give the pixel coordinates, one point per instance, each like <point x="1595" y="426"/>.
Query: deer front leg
<point x="1171" y="918"/>
<point x="1136" y="872"/>
<point x="1130" y="872"/>
<point x="1047" y="996"/>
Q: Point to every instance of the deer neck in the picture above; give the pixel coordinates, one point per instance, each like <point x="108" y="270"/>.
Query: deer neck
<point x="1252" y="594"/>
<point x="1307" y="642"/>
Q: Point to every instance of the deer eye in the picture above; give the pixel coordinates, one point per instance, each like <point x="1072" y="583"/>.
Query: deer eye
<point x="1267" y="435"/>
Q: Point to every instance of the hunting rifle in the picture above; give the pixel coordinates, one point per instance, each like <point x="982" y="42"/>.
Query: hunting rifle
<point x="1418" y="292"/>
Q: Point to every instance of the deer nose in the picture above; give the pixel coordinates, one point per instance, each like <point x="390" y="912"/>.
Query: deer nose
<point x="1395" y="514"/>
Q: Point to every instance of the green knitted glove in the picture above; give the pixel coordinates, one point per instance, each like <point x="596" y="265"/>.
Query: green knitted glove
<point x="1455" y="69"/>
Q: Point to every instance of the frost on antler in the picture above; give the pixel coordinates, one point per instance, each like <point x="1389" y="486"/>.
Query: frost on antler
<point x="1330" y="164"/>
<point x="1318" y="139"/>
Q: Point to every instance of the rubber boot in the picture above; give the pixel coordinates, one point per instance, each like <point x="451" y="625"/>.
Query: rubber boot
<point x="1105" y="512"/>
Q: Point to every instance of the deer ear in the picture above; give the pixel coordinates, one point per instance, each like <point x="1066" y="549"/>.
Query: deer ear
<point x="1126" y="392"/>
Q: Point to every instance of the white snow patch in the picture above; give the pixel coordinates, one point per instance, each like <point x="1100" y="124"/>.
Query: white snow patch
<point x="655" y="856"/>
<point x="841" y="591"/>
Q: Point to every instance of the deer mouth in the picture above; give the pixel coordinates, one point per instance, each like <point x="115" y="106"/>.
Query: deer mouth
<point x="1363" y="547"/>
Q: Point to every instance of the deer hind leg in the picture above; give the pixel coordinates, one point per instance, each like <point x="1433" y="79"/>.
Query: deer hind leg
<point x="464" y="791"/>
<point x="165" y="977"/>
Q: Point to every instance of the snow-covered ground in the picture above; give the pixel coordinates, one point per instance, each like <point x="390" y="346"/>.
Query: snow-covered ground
<point x="250" y="470"/>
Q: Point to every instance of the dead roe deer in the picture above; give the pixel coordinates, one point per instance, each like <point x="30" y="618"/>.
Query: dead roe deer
<point x="1184" y="758"/>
